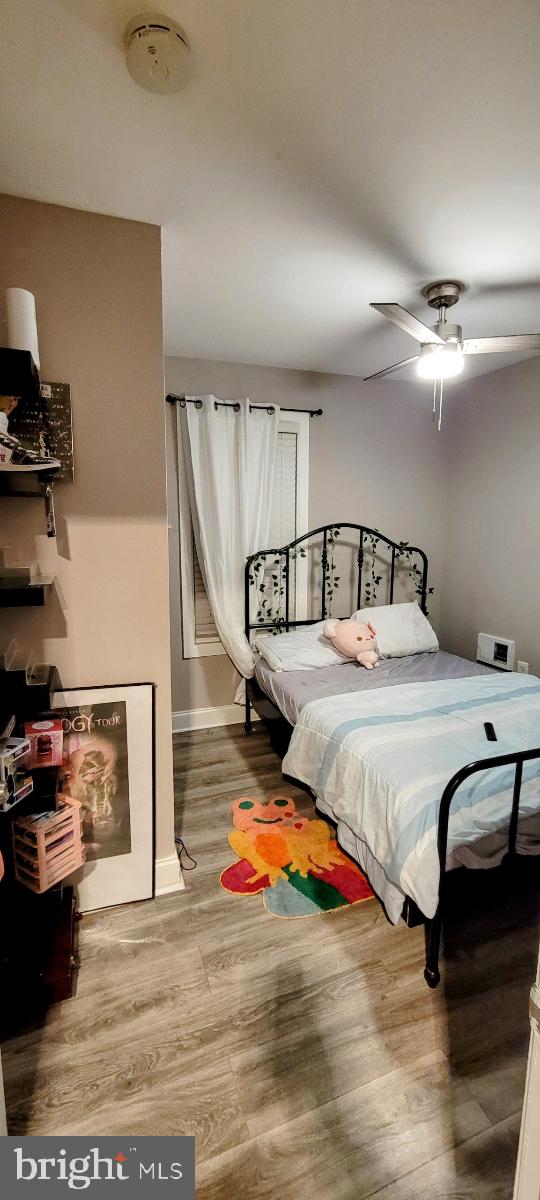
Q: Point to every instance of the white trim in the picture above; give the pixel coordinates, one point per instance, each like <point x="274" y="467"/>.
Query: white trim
<point x="209" y="718"/>
<point x="169" y="876"/>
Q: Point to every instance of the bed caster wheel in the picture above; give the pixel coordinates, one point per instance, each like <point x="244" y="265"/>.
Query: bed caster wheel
<point x="432" y="978"/>
<point x="248" y="727"/>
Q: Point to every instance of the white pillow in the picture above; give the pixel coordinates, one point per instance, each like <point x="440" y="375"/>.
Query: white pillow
<point x="301" y="649"/>
<point x="401" y="629"/>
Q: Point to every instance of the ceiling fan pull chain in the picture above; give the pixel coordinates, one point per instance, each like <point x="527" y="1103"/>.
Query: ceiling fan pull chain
<point x="440" y="403"/>
<point x="434" y="410"/>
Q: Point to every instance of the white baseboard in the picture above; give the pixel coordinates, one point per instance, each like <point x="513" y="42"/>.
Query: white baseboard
<point x="169" y="876"/>
<point x="209" y="718"/>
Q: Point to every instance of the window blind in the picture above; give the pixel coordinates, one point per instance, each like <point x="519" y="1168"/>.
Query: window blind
<point x="205" y="629"/>
<point x="283" y="519"/>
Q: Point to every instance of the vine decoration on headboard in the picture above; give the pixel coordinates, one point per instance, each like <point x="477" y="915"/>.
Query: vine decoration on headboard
<point x="270" y="588"/>
<point x="404" y="556"/>
<point x="413" y="570"/>
<point x="269" y="579"/>
<point x="331" y="578"/>
<point x="374" y="579"/>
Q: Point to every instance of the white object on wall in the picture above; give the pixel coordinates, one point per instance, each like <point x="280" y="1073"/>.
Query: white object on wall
<point x="496" y="651"/>
<point x="21" y="321"/>
<point x="157" y="53"/>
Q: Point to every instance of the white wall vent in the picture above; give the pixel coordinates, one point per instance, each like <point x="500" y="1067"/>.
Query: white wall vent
<point x="496" y="651"/>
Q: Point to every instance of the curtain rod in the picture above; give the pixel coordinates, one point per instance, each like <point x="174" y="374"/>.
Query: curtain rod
<point x="183" y="400"/>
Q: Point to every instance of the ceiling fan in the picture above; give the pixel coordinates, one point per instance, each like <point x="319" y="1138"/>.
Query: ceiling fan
<point x="442" y="346"/>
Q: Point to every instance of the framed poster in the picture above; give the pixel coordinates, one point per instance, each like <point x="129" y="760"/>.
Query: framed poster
<point x="44" y="424"/>
<point x="108" y="766"/>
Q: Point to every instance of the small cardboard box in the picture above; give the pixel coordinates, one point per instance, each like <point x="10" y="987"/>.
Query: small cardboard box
<point x="46" y="739"/>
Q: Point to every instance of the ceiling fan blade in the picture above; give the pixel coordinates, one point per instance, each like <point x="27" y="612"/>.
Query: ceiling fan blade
<point x="503" y="345"/>
<point x="406" y="321"/>
<point x="389" y="370"/>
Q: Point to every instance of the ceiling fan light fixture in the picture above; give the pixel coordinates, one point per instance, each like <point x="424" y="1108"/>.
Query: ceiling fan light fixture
<point x="440" y="362"/>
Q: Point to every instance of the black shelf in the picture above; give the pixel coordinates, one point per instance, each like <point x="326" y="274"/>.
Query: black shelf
<point x="30" y="693"/>
<point x="8" y="480"/>
<point x="14" y="484"/>
<point x="33" y="595"/>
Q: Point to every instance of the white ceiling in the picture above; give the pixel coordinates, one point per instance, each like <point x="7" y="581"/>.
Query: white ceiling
<point x="324" y="154"/>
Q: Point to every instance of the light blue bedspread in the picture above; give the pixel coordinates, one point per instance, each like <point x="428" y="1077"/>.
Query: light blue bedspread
<point x="378" y="762"/>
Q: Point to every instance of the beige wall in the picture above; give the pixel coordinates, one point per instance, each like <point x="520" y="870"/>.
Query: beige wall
<point x="492" y="537"/>
<point x="375" y="457"/>
<point x="97" y="282"/>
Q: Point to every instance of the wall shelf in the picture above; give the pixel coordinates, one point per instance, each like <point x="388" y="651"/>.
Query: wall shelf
<point x="18" y="484"/>
<point x="10" y="479"/>
<point x="29" y="688"/>
<point x="33" y="595"/>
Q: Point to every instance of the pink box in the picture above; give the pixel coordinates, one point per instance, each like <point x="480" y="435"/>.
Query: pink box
<point x="46" y="739"/>
<point x="47" y="847"/>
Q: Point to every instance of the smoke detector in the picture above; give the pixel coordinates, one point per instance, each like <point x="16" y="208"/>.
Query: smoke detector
<point x="157" y="52"/>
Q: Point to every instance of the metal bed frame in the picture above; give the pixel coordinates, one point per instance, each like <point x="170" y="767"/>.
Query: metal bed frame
<point x="281" y="730"/>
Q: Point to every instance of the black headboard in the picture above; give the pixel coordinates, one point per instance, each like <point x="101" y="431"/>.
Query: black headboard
<point x="270" y="575"/>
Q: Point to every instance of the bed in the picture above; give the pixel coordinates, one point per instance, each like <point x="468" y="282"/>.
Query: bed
<point x="397" y="757"/>
<point x="290" y="691"/>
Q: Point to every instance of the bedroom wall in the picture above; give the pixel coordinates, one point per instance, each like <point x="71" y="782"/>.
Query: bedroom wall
<point x="374" y="455"/>
<point x="97" y="282"/>
<point x="491" y="576"/>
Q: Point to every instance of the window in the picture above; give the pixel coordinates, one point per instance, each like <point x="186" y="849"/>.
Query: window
<point x="289" y="519"/>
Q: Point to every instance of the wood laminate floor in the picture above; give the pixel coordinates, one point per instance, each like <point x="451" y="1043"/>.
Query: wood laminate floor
<point x="308" y="1057"/>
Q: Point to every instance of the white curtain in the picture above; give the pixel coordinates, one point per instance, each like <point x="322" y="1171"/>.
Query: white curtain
<point x="230" y="459"/>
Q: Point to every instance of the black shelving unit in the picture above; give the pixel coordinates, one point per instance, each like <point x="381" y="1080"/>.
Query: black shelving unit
<point x="38" y="940"/>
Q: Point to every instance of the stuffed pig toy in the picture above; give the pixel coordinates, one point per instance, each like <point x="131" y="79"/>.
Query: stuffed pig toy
<point x="354" y="641"/>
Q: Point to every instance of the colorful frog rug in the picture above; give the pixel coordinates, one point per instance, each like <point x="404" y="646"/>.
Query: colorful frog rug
<point x="294" y="861"/>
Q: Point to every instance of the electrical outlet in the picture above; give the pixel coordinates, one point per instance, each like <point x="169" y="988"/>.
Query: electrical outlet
<point x="523" y="668"/>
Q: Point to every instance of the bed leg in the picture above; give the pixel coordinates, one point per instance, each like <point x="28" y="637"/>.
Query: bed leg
<point x="433" y="942"/>
<point x="247" y="723"/>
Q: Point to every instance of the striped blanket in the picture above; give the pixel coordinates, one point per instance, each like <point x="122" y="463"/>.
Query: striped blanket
<point x="378" y="763"/>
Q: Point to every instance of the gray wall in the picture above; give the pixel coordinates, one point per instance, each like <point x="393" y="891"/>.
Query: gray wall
<point x="375" y="457"/>
<point x="492" y="536"/>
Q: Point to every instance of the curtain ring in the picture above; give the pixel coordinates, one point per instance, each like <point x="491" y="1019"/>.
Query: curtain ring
<point x="198" y="404"/>
<point x="270" y="410"/>
<point x="182" y="403"/>
<point x="236" y="407"/>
